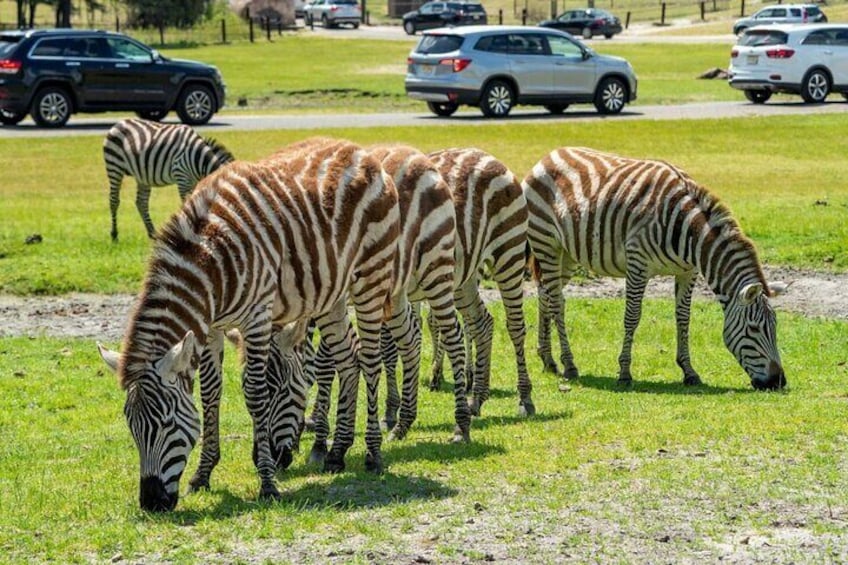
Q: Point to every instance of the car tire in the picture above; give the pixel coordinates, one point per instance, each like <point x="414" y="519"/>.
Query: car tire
<point x="325" y="22"/>
<point x="443" y="109"/>
<point x="9" y="118"/>
<point x="196" y="105"/>
<point x="610" y="96"/>
<point x="586" y="33"/>
<point x="409" y="28"/>
<point x="497" y="100"/>
<point x="758" y="96"/>
<point x="845" y="96"/>
<point x="51" y="107"/>
<point x="556" y="108"/>
<point x="152" y="115"/>
<point x="815" y="87"/>
<point x="608" y="35"/>
<point x="355" y="26"/>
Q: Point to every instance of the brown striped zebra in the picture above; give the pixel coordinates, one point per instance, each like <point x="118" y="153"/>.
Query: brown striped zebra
<point x="424" y="272"/>
<point x="253" y="249"/>
<point x="637" y="219"/>
<point x="491" y="218"/>
<point x="156" y="155"/>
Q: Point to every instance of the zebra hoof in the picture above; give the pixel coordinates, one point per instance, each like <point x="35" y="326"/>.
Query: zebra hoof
<point x="526" y="409"/>
<point x="318" y="454"/>
<point x="692" y="380"/>
<point x="551" y="367"/>
<point x="625" y="383"/>
<point x="388" y="424"/>
<point x="334" y="463"/>
<point x="269" y="492"/>
<point x="398" y="433"/>
<point x="309" y="425"/>
<point x="374" y="463"/>
<point x="461" y="435"/>
<point x="198" y="483"/>
<point x="571" y="373"/>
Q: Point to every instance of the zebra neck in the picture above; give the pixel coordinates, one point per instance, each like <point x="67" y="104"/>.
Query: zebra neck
<point x="728" y="263"/>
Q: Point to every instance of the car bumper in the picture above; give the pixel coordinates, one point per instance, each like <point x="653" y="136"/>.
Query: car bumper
<point x="345" y="20"/>
<point x="442" y="94"/>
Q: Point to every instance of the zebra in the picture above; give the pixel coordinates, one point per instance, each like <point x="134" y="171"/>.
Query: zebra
<point x="251" y="249"/>
<point x="637" y="219"/>
<point x="156" y="155"/>
<point x="424" y="272"/>
<point x="491" y="217"/>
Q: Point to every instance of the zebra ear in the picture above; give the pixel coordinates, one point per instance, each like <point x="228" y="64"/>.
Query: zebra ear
<point x="777" y="288"/>
<point x="750" y="292"/>
<point x="178" y="359"/>
<point x="109" y="357"/>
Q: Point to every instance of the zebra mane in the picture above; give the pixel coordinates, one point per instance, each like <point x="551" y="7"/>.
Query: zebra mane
<point x="219" y="149"/>
<point x="719" y="218"/>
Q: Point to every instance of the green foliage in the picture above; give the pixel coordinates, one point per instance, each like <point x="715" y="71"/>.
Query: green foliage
<point x="779" y="202"/>
<point x="676" y="469"/>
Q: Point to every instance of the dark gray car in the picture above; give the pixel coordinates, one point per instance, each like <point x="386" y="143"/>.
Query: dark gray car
<point x="497" y="67"/>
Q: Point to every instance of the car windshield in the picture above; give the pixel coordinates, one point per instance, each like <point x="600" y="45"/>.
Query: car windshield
<point x="760" y="37"/>
<point x="345" y="2"/>
<point x="472" y="8"/>
<point x="437" y="43"/>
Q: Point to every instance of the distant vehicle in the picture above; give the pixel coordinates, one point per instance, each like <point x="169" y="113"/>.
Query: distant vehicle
<point x="497" y="67"/>
<point x="440" y="14"/>
<point x="333" y="13"/>
<point x="810" y="60"/>
<point x="781" y="14"/>
<point x="586" y="23"/>
<point x="53" y="73"/>
<point x="299" y="8"/>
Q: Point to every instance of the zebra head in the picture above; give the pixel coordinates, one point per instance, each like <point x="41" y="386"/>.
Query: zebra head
<point x="163" y="421"/>
<point x="750" y="333"/>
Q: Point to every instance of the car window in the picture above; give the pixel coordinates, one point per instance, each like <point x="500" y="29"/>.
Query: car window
<point x="812" y="10"/>
<point x="759" y="37"/>
<point x="50" y="47"/>
<point x="437" y="43"/>
<point x="125" y="49"/>
<point x="346" y="2"/>
<point x="7" y="46"/>
<point x="841" y="37"/>
<point x="474" y="8"/>
<point x="796" y="12"/>
<point x="820" y="37"/>
<point x="492" y="44"/>
<point x="778" y="13"/>
<point x="561" y="46"/>
<point x="526" y="44"/>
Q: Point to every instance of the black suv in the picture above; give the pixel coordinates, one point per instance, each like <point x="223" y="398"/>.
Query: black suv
<point x="441" y="14"/>
<point x="52" y="74"/>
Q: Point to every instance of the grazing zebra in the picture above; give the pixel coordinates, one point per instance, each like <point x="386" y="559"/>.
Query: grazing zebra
<point x="637" y="219"/>
<point x="156" y="155"/>
<point x="491" y="231"/>
<point x="251" y="249"/>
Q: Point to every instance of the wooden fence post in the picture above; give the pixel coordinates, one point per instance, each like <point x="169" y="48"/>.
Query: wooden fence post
<point x="223" y="30"/>
<point x="662" y="15"/>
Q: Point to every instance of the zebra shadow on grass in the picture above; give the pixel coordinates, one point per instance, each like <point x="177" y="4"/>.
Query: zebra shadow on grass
<point x="493" y="421"/>
<point x="644" y="386"/>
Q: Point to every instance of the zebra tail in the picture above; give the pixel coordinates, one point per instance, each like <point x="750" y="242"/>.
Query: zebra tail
<point x="532" y="265"/>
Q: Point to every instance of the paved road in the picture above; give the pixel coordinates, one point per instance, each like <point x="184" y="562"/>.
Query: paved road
<point x="466" y="117"/>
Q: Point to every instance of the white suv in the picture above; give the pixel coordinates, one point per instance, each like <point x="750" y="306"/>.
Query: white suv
<point x="810" y="60"/>
<point x="781" y="14"/>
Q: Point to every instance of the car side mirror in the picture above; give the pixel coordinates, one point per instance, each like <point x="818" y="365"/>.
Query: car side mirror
<point x="155" y="56"/>
<point x="587" y="55"/>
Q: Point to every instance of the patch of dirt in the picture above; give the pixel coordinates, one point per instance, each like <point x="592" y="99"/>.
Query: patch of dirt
<point x="104" y="317"/>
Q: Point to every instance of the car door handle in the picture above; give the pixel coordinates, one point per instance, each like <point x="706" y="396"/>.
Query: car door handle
<point x="122" y="65"/>
<point x="72" y="64"/>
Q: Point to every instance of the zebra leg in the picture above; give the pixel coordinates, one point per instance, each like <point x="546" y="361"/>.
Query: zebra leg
<point x="636" y="282"/>
<point x="683" y="285"/>
<point x="369" y="320"/>
<point x="389" y="352"/>
<point x="325" y="372"/>
<point x="407" y="334"/>
<point x="257" y="346"/>
<point x="553" y="277"/>
<point x="142" y="202"/>
<point x="114" y="202"/>
<point x="453" y="340"/>
<point x="437" y="374"/>
<point x="479" y="326"/>
<point x="510" y="280"/>
<point x="210" y="397"/>
<point x="544" y="346"/>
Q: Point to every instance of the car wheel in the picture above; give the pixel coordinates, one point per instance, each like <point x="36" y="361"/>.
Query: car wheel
<point x="51" y="107"/>
<point x="9" y="118"/>
<point x="845" y="96"/>
<point x="587" y="33"/>
<point x="758" y="96"/>
<point x="556" y="108"/>
<point x="815" y="87"/>
<point x="152" y="115"/>
<point x="608" y="35"/>
<point x="443" y="109"/>
<point x="610" y="96"/>
<point x="325" y="22"/>
<point x="355" y="26"/>
<point x="497" y="100"/>
<point x="409" y="28"/>
<point x="196" y="105"/>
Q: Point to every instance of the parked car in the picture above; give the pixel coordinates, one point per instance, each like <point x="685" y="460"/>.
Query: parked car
<point x="810" y="60"/>
<point x="333" y="13"/>
<point x="52" y="74"/>
<point x="440" y="14"/>
<point x="781" y="14"/>
<point x="587" y="23"/>
<point x="497" y="67"/>
<point x="299" y="8"/>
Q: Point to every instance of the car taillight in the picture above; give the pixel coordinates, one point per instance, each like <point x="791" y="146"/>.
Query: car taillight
<point x="334" y="8"/>
<point x="780" y="53"/>
<point x="734" y="53"/>
<point x="600" y="21"/>
<point x="458" y="65"/>
<point x="9" y="66"/>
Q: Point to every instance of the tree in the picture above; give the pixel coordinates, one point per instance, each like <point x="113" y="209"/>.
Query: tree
<point x="155" y="13"/>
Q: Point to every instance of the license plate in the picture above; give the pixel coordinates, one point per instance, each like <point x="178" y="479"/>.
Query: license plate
<point x="476" y="16"/>
<point x="752" y="59"/>
<point x="425" y="70"/>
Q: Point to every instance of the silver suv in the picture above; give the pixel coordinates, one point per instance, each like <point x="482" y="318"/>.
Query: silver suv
<point x="497" y="67"/>
<point x="781" y="14"/>
<point x="333" y="13"/>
